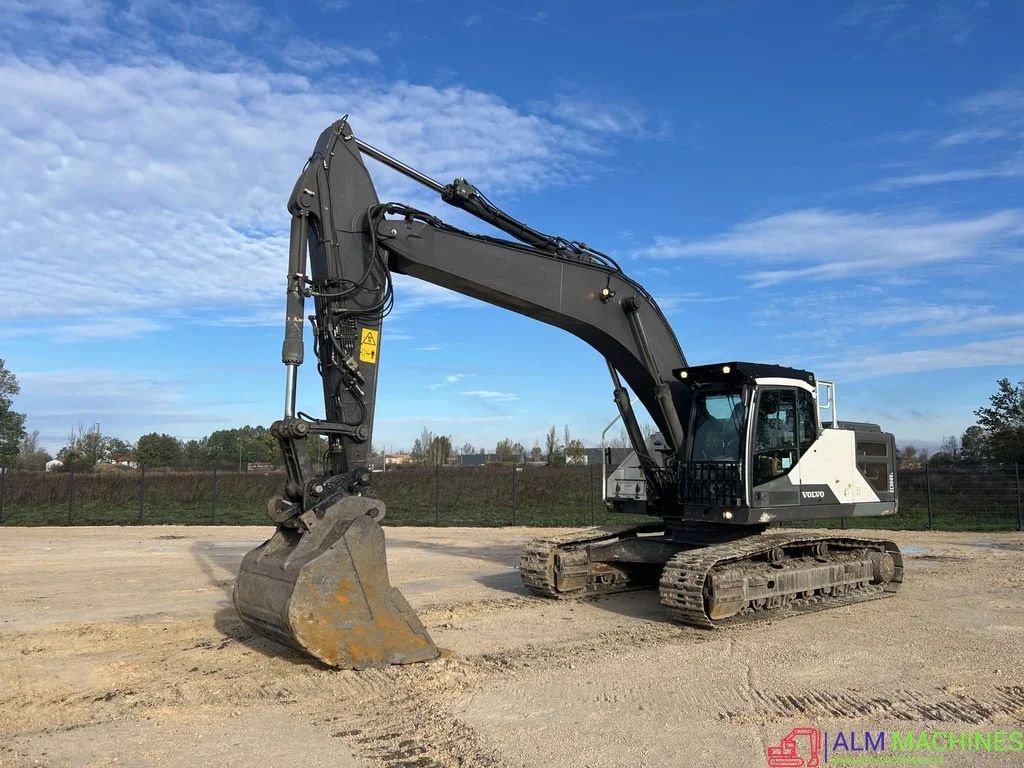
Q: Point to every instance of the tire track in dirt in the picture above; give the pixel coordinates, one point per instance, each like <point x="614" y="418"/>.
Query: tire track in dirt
<point x="753" y="705"/>
<point x="401" y="716"/>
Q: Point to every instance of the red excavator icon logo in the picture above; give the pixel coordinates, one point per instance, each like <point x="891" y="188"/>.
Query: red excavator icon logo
<point x="786" y="755"/>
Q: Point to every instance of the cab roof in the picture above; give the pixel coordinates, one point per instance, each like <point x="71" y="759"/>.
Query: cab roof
<point x="740" y="372"/>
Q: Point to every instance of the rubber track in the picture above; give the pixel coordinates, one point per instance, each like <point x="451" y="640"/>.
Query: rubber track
<point x="537" y="562"/>
<point x="682" y="581"/>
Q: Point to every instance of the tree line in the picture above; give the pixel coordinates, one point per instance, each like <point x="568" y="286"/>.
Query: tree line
<point x="88" y="447"/>
<point x="431" y="449"/>
<point x="996" y="438"/>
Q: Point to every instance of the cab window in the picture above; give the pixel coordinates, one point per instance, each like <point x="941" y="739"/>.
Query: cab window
<point x="807" y="411"/>
<point x="718" y="426"/>
<point x="775" y="435"/>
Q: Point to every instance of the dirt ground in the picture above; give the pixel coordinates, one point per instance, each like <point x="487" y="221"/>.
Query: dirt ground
<point x="119" y="646"/>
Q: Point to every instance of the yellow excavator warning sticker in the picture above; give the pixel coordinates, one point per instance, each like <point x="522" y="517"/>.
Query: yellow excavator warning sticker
<point x="368" y="345"/>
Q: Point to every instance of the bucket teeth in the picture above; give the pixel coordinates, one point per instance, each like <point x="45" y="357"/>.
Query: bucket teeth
<point x="326" y="592"/>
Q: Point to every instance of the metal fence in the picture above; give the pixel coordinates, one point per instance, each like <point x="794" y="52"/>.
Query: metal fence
<point x="933" y="498"/>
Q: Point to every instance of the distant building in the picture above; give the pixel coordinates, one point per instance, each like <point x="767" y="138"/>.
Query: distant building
<point x="383" y="462"/>
<point x="476" y="459"/>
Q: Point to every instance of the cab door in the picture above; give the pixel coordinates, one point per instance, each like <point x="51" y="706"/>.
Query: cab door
<point x="775" y="447"/>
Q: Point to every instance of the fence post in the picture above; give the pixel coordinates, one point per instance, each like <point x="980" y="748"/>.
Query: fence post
<point x="591" y="493"/>
<point x="437" y="495"/>
<point x="213" y="502"/>
<point x="142" y="491"/>
<point x="71" y="494"/>
<point x="1016" y="470"/>
<point x="928" y="491"/>
<point x="515" y="482"/>
<point x="3" y="478"/>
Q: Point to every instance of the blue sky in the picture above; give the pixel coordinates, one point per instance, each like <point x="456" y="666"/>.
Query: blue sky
<point x="831" y="186"/>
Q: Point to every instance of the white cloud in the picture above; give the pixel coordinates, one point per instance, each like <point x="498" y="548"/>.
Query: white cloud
<point x="443" y="419"/>
<point x="944" y="319"/>
<point x="1001" y="101"/>
<point x="55" y="402"/>
<point x="160" y="186"/>
<point x="454" y="378"/>
<point x="971" y="135"/>
<point x="984" y="132"/>
<point x="307" y="55"/>
<point x="1007" y="169"/>
<point x="491" y="395"/>
<point x="901" y="21"/>
<point x="820" y="244"/>
<point x="991" y="352"/>
<point x="672" y="301"/>
<point x="107" y="328"/>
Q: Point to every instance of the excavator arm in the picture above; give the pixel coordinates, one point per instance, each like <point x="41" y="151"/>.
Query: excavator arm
<point x="320" y="583"/>
<point x="354" y="244"/>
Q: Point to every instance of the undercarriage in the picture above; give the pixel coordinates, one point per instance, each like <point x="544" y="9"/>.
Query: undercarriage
<point x="713" y="576"/>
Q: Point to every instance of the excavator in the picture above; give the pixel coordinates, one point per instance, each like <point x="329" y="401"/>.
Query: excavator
<point x="740" y="447"/>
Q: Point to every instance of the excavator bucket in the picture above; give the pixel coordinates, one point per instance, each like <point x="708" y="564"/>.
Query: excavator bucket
<point x="326" y="591"/>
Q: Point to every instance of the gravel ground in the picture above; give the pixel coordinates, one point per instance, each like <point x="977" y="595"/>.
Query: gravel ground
<point x="119" y="646"/>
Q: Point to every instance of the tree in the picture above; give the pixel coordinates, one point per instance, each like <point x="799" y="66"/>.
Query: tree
<point x="243" y="444"/>
<point x="974" y="447"/>
<point x="907" y="456"/>
<point x="948" y="453"/>
<point x="12" y="423"/>
<point x="30" y="453"/>
<point x="85" y="447"/>
<point x="536" y="454"/>
<point x="467" y="449"/>
<point x="554" y="455"/>
<point x="421" y="447"/>
<point x="509" y="452"/>
<point x="1003" y="422"/>
<point x="575" y="453"/>
<point x="195" y="452"/>
<point x="621" y="441"/>
<point x="440" y="450"/>
<point x="159" y="450"/>
<point x="116" y="448"/>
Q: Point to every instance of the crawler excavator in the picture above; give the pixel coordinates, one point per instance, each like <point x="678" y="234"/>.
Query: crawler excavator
<point x="741" y="446"/>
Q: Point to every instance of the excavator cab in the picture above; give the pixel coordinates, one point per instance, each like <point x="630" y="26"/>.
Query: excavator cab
<point x="759" y="453"/>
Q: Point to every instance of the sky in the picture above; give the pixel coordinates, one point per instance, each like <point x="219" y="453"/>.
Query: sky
<point x="832" y="186"/>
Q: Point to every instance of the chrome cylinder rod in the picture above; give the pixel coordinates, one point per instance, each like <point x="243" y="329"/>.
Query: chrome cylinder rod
<point x="291" y="377"/>
<point x="399" y="166"/>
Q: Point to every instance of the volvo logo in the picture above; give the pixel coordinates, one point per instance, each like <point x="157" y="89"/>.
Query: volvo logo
<point x="814" y="494"/>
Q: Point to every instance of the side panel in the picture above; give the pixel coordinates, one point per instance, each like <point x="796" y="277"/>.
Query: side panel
<point x="832" y="483"/>
<point x="828" y="472"/>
